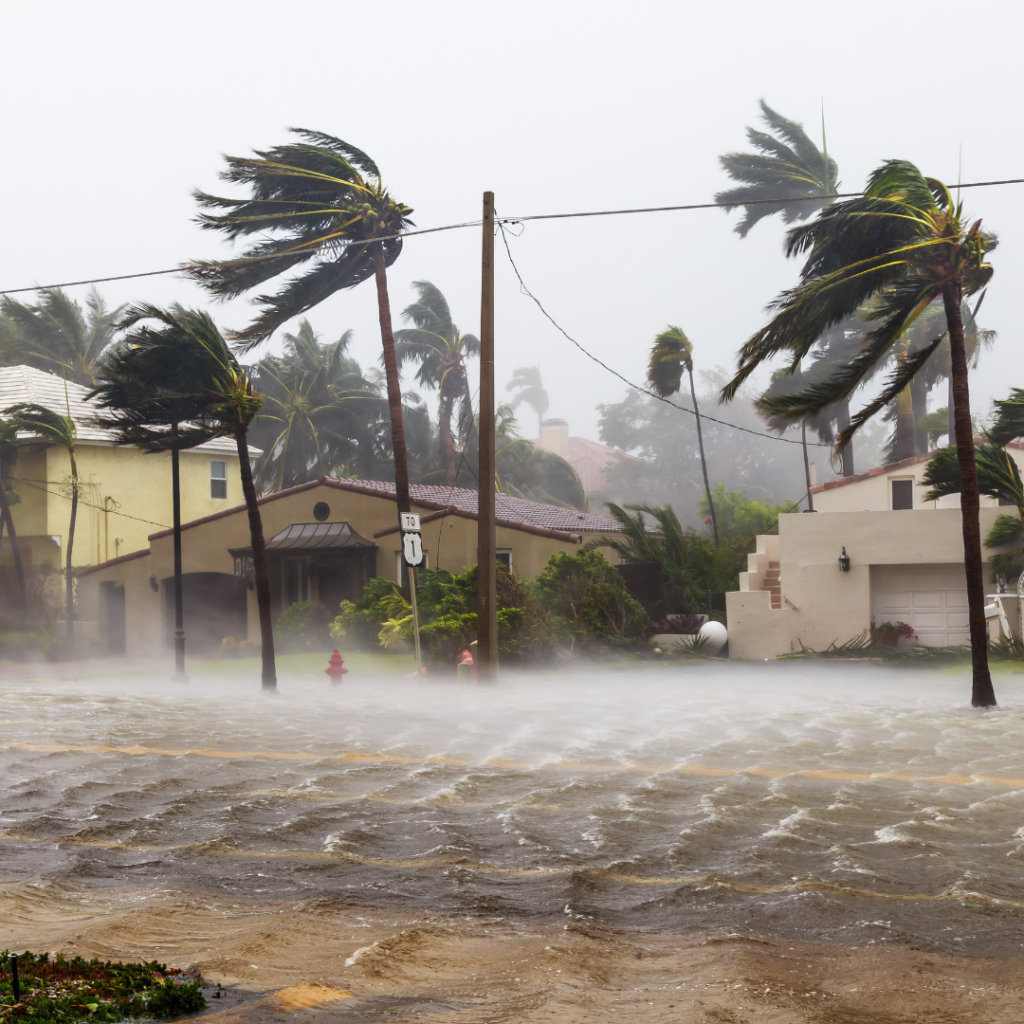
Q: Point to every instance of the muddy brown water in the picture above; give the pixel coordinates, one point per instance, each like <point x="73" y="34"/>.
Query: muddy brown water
<point x="841" y="804"/>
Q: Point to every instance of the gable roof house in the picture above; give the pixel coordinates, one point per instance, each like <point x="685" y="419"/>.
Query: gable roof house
<point x="906" y="565"/>
<point x="325" y="539"/>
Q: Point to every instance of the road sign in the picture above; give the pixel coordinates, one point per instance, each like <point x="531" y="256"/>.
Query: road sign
<point x="410" y="521"/>
<point x="412" y="549"/>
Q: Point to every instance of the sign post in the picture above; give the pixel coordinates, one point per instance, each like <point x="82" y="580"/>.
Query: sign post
<point x="412" y="559"/>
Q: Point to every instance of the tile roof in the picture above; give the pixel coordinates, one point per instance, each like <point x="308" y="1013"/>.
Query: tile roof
<point x="26" y="384"/>
<point x="592" y="460"/>
<point x="517" y="510"/>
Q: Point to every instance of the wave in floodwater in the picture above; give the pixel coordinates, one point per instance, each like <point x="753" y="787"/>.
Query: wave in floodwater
<point x="857" y="804"/>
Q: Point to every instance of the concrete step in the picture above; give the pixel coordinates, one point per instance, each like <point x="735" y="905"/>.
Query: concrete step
<point x="773" y="565"/>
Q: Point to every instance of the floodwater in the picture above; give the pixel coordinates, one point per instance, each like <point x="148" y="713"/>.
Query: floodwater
<point x="844" y="803"/>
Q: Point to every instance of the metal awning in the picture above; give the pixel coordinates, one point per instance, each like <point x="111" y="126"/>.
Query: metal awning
<point x="312" y="537"/>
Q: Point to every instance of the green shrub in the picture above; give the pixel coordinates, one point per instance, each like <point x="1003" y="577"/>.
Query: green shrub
<point x="359" y="624"/>
<point x="304" y="627"/>
<point x="587" y="597"/>
<point x="169" y="999"/>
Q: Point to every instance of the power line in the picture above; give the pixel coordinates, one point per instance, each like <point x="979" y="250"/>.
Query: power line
<point x="636" y="387"/>
<point x="503" y="220"/>
<point x="89" y="504"/>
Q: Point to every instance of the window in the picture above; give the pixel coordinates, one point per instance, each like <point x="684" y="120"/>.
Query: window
<point x="218" y="478"/>
<point x="1003" y="500"/>
<point x="321" y="511"/>
<point x="504" y="556"/>
<point x="902" y="494"/>
<point x="296" y="581"/>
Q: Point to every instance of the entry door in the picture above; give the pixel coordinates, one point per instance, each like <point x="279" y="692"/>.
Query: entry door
<point x="931" y="598"/>
<point x="114" y="613"/>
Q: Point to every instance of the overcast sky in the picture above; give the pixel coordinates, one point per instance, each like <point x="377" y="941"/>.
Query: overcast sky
<point x="114" y="112"/>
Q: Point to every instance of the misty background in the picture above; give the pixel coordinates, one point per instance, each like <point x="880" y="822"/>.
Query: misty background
<point x="114" y="112"/>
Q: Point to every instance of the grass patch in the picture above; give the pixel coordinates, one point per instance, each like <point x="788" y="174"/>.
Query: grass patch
<point x="864" y="647"/>
<point x="75" y="990"/>
<point x="359" y="663"/>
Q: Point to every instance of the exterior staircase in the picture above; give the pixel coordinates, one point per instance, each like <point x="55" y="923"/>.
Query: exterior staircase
<point x="773" y="584"/>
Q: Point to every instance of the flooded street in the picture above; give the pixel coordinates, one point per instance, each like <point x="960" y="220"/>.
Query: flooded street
<point x="844" y="804"/>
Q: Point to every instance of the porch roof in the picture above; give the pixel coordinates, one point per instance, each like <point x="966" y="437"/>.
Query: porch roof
<point x="312" y="537"/>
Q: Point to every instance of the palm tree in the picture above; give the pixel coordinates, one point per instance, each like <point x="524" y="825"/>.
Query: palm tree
<point x="672" y="353"/>
<point x="56" y="335"/>
<point x="318" y="412"/>
<point x="904" y="243"/>
<point x="51" y="430"/>
<point x="184" y="372"/>
<point x="441" y="351"/>
<point x="318" y="200"/>
<point x="10" y="444"/>
<point x="528" y="382"/>
<point x="788" y="166"/>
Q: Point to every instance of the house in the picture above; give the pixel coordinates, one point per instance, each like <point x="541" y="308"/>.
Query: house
<point x="124" y="492"/>
<point x="590" y="459"/>
<point x="325" y="539"/>
<point x="905" y="565"/>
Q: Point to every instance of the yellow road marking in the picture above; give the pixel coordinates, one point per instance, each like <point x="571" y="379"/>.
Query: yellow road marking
<point x="350" y="757"/>
<point x="810" y="885"/>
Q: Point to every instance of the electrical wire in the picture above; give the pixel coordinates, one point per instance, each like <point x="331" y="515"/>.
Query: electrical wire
<point x="88" y="504"/>
<point x="504" y="220"/>
<point x="636" y="387"/>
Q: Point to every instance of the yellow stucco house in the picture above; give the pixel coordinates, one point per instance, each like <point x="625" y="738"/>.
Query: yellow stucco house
<point x="125" y="493"/>
<point x="906" y="564"/>
<point x="325" y="539"/>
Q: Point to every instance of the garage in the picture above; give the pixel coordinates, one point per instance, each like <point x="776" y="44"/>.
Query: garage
<point x="931" y="598"/>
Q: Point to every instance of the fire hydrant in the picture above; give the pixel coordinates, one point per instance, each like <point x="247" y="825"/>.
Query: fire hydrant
<point x="336" y="668"/>
<point x="465" y="666"/>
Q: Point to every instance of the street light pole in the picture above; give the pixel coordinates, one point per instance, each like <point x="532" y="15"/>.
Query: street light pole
<point x="487" y="603"/>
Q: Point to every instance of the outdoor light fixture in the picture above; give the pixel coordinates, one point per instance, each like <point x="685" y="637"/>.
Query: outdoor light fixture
<point x="153" y="585"/>
<point x="844" y="562"/>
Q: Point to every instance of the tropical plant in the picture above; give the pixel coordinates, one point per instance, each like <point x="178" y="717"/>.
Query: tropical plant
<point x="441" y="350"/>
<point x="672" y="353"/>
<point x="176" y="385"/>
<point x="49" y="429"/>
<point x="318" y="200"/>
<point x="999" y="478"/>
<point x="788" y="167"/>
<point x="55" y="334"/>
<point x="319" y="411"/>
<point x="10" y="445"/>
<point x="527" y="382"/>
<point x="1009" y="422"/>
<point x="903" y="244"/>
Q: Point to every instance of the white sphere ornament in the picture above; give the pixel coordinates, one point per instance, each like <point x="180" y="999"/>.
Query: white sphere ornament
<point x="713" y="635"/>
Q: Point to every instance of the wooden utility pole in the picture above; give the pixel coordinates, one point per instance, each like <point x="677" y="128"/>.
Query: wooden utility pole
<point x="487" y="598"/>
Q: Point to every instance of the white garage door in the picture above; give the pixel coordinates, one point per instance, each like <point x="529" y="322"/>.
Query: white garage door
<point x="931" y="598"/>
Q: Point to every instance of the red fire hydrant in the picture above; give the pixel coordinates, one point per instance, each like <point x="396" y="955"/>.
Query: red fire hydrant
<point x="336" y="668"/>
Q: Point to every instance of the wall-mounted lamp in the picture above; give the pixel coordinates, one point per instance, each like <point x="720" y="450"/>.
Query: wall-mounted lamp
<point x="844" y="562"/>
<point x="153" y="585"/>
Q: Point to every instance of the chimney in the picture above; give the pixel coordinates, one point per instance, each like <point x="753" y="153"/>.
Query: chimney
<point x="554" y="437"/>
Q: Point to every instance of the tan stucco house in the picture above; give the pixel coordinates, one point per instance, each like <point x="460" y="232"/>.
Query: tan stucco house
<point x="325" y="539"/>
<point x="905" y="565"/>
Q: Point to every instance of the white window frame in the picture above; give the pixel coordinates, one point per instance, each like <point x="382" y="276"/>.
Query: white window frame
<point x="507" y="553"/>
<point x="896" y="480"/>
<point x="214" y="479"/>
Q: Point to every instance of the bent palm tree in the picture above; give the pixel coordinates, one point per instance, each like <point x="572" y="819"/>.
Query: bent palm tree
<point x="671" y="354"/>
<point x="441" y="351"/>
<point x="183" y="371"/>
<point x="10" y="444"/>
<point x="318" y="200"/>
<point x="56" y="335"/>
<point x="527" y="381"/>
<point x="51" y="430"/>
<point x="904" y="243"/>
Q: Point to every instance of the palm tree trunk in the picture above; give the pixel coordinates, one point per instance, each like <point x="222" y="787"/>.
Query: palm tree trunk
<point x="703" y="461"/>
<point x="982" y="694"/>
<point x="19" y="567"/>
<point x="387" y="338"/>
<point x="905" y="425"/>
<point x="445" y="426"/>
<point x="919" y="400"/>
<point x="842" y="422"/>
<point x="950" y="406"/>
<point x="259" y="561"/>
<point x="807" y="466"/>
<point x="69" y="607"/>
